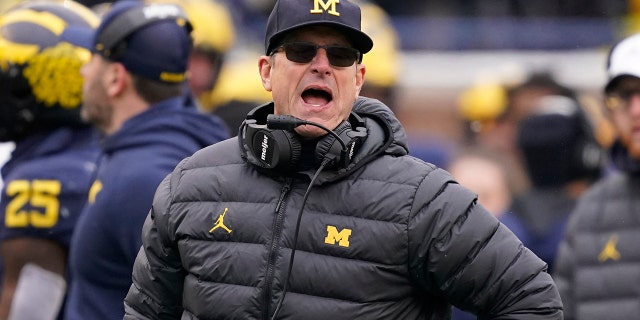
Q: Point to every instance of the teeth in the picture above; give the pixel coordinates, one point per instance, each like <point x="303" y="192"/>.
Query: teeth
<point x="315" y="105"/>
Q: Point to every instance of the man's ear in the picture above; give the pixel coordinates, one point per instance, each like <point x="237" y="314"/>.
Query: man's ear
<point x="116" y="79"/>
<point x="361" y="69"/>
<point x="264" y="66"/>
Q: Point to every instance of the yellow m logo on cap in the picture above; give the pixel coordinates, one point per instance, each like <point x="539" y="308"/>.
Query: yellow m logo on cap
<point x="334" y="236"/>
<point x="329" y="7"/>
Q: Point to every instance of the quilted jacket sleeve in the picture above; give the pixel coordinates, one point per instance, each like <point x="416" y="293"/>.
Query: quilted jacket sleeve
<point x="156" y="292"/>
<point x="563" y="273"/>
<point x="460" y="251"/>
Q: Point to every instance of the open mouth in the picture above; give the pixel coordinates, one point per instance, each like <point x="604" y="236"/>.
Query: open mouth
<point x="316" y="97"/>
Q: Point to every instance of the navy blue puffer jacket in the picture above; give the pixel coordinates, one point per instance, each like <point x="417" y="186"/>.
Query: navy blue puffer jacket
<point x="389" y="237"/>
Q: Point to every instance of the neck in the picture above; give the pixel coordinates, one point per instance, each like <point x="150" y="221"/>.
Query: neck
<point x="125" y="108"/>
<point x="308" y="155"/>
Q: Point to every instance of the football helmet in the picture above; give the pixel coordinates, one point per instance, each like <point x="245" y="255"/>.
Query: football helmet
<point x="40" y="81"/>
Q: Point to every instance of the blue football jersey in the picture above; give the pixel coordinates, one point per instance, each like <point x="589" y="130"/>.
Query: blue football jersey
<point x="46" y="182"/>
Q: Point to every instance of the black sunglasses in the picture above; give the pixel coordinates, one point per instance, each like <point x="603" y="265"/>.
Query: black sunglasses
<point x="303" y="52"/>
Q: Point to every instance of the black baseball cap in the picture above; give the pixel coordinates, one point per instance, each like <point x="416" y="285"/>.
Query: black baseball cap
<point x="288" y="15"/>
<point x="151" y="40"/>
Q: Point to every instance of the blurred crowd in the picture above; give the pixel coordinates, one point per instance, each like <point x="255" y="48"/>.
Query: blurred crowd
<point x="455" y="25"/>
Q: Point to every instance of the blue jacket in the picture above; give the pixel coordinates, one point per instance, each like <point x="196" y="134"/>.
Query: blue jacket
<point x="64" y="157"/>
<point x="135" y="159"/>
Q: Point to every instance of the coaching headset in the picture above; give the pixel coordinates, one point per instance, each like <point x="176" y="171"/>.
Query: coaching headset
<point x="269" y="141"/>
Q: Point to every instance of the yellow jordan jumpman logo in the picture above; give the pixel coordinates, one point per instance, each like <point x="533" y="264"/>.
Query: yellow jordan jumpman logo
<point x="220" y="223"/>
<point x="609" y="251"/>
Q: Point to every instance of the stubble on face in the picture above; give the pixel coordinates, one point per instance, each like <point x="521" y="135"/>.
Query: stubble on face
<point x="95" y="107"/>
<point x="629" y="133"/>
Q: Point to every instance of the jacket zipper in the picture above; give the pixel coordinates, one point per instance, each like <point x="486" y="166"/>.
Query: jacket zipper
<point x="273" y="253"/>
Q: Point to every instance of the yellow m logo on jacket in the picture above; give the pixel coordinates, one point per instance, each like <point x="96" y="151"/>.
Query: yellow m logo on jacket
<point x="341" y="237"/>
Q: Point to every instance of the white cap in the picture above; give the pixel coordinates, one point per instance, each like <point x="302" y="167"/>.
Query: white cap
<point x="624" y="60"/>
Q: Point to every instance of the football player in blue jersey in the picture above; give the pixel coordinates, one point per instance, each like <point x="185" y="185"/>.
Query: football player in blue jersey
<point x="47" y="178"/>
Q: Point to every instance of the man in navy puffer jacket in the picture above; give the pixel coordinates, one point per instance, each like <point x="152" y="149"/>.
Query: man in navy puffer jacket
<point x="315" y="210"/>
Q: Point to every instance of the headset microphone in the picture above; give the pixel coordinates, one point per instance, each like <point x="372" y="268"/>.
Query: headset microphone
<point x="286" y="122"/>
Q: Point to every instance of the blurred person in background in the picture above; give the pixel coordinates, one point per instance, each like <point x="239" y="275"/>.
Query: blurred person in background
<point x="597" y="265"/>
<point x="135" y="93"/>
<point x="485" y="173"/>
<point x="483" y="108"/>
<point x="384" y="58"/>
<point x="213" y="36"/>
<point x="562" y="158"/>
<point x="493" y="112"/>
<point x="48" y="175"/>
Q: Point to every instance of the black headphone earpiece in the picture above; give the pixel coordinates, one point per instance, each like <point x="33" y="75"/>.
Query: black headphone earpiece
<point x="271" y="149"/>
<point x="280" y="149"/>
<point x="329" y="148"/>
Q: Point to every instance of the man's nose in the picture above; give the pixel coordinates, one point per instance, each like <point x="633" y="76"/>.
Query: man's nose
<point x="634" y="103"/>
<point x="321" y="61"/>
